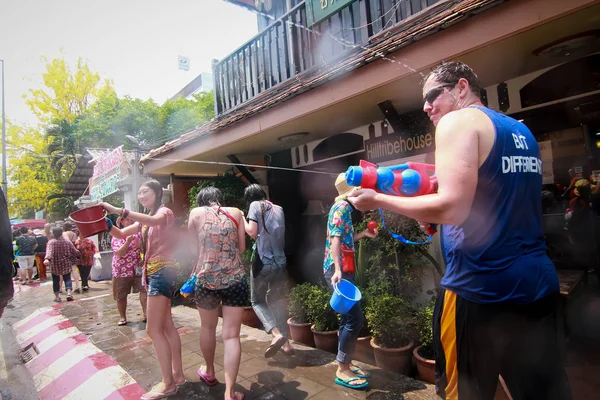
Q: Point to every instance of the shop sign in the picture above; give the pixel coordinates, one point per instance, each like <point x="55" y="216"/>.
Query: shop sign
<point x="318" y="10"/>
<point x="111" y="167"/>
<point x="395" y="145"/>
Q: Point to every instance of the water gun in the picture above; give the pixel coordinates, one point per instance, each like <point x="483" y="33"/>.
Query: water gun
<point x="188" y="287"/>
<point x="407" y="180"/>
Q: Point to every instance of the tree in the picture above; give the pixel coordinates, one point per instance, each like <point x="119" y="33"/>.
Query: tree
<point x="66" y="94"/>
<point x="31" y="176"/>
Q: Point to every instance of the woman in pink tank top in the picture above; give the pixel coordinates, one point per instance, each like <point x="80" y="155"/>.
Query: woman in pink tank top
<point x="159" y="273"/>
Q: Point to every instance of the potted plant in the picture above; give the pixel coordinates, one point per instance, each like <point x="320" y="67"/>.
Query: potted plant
<point x="298" y="323"/>
<point x="324" y="319"/>
<point x="249" y="317"/>
<point x="424" y="353"/>
<point x="390" y="318"/>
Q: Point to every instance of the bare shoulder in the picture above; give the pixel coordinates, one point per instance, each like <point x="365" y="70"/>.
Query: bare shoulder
<point x="233" y="211"/>
<point x="465" y="120"/>
<point x="197" y="212"/>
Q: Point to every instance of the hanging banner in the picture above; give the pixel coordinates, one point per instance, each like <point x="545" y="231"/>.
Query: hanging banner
<point x="111" y="167"/>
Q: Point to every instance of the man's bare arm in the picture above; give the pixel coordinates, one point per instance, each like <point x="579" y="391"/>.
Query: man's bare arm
<point x="457" y="164"/>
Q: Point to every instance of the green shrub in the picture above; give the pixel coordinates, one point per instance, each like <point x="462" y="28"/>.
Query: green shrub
<point x="425" y="327"/>
<point x="231" y="186"/>
<point x="390" y="319"/>
<point x="320" y="313"/>
<point x="297" y="305"/>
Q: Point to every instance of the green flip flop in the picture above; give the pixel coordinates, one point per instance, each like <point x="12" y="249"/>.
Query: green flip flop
<point x="355" y="370"/>
<point x="346" y="383"/>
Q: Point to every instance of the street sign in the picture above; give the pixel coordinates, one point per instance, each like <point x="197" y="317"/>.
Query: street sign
<point x="318" y="10"/>
<point x="183" y="62"/>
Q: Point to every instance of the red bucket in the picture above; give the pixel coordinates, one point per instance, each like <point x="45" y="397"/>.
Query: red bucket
<point x="90" y="221"/>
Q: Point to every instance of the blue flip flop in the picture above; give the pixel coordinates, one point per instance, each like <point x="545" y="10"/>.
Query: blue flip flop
<point x="354" y="370"/>
<point x="346" y="383"/>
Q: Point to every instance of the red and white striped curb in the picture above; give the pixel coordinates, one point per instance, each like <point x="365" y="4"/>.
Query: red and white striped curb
<point x="69" y="366"/>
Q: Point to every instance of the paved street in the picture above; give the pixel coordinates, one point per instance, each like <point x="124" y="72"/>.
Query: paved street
<point x="84" y="354"/>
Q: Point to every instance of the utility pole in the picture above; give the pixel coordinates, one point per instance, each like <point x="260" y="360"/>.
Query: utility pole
<point x="4" y="181"/>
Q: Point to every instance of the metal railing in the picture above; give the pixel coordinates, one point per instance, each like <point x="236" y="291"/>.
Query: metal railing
<point x="288" y="47"/>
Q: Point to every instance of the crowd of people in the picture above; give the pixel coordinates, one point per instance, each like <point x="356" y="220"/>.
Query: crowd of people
<point x="496" y="312"/>
<point x="58" y="249"/>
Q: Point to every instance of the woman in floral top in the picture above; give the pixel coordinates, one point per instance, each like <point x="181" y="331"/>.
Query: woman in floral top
<point x="127" y="270"/>
<point x="338" y="265"/>
<point x="87" y="249"/>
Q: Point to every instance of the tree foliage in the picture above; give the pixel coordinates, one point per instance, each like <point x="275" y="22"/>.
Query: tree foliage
<point x="65" y="94"/>
<point x="78" y="110"/>
<point x="31" y="176"/>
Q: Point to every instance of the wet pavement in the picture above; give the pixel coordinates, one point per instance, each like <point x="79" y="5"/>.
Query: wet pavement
<point x="308" y="374"/>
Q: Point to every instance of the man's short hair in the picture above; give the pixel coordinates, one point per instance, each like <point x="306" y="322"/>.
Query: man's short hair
<point x="24" y="230"/>
<point x="452" y="71"/>
<point x="57" y="232"/>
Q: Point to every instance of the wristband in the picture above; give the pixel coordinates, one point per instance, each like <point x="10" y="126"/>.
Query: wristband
<point x="124" y="213"/>
<point x="109" y="224"/>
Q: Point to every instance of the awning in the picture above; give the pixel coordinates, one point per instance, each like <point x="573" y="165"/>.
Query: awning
<point x="28" y="223"/>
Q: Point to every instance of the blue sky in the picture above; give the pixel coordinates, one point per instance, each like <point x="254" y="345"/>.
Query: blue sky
<point x="133" y="42"/>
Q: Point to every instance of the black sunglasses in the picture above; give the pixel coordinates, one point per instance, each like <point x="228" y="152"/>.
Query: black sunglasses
<point x="434" y="93"/>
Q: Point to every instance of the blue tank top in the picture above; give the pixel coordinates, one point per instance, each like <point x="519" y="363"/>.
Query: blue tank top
<point x="498" y="253"/>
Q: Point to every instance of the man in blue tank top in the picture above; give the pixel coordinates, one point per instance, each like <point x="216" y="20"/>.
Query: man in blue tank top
<point x="497" y="311"/>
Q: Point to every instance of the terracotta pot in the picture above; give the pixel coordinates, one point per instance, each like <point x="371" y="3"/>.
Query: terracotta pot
<point x="250" y="319"/>
<point x="425" y="366"/>
<point x="301" y="333"/>
<point x="327" y="341"/>
<point x="395" y="360"/>
<point x="364" y="350"/>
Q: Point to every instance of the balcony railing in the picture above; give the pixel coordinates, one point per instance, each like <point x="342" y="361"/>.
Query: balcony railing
<point x="288" y="47"/>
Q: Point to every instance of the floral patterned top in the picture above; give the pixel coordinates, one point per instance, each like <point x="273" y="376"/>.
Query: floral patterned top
<point x="125" y="267"/>
<point x="219" y="263"/>
<point x="339" y="223"/>
<point x="87" y="249"/>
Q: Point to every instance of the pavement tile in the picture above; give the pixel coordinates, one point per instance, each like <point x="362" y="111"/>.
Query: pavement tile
<point x="191" y="359"/>
<point x="270" y="396"/>
<point x="266" y="376"/>
<point x="300" y="388"/>
<point x="190" y="338"/>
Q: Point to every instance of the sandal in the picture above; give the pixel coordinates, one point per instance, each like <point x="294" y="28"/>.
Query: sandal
<point x="58" y="300"/>
<point x="274" y="347"/>
<point x="155" y="395"/>
<point x="236" y="396"/>
<point x="209" y="379"/>
<point x="122" y="322"/>
<point x="347" y="383"/>
<point x="69" y="298"/>
<point x="356" y="370"/>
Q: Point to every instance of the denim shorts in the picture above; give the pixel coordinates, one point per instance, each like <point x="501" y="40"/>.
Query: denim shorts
<point x="162" y="283"/>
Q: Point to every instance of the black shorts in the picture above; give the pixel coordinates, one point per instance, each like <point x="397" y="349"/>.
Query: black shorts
<point x="236" y="295"/>
<point x="474" y="343"/>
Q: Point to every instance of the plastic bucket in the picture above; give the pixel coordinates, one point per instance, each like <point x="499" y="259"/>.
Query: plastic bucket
<point x="345" y="296"/>
<point x="90" y="221"/>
